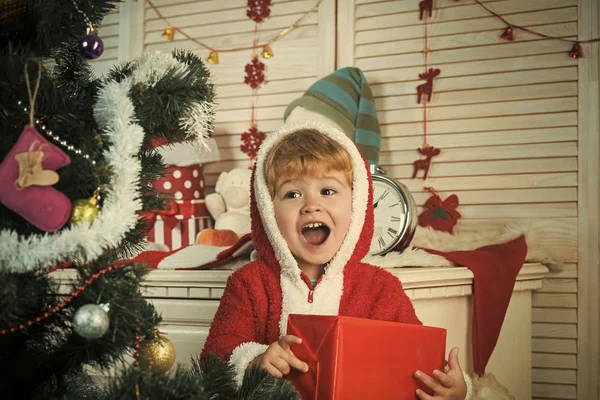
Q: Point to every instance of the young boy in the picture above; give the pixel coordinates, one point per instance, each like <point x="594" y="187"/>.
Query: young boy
<point x="312" y="222"/>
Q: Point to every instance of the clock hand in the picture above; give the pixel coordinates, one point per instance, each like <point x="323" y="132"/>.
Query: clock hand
<point x="375" y="204"/>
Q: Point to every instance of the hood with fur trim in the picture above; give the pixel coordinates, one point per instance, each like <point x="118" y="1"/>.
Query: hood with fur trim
<point x="267" y="238"/>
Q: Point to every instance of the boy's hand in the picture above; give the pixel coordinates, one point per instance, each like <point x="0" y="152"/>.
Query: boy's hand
<point x="447" y="386"/>
<point x="279" y="359"/>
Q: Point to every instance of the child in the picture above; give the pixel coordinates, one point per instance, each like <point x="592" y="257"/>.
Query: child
<point x="312" y="222"/>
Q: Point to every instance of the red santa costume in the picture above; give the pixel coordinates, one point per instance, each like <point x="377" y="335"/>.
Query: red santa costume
<point x="259" y="297"/>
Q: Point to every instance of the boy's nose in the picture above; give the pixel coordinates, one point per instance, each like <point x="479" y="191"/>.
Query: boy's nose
<point x="311" y="206"/>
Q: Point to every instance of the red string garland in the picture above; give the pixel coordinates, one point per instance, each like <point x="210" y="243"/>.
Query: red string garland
<point x="424" y="95"/>
<point x="52" y="311"/>
<point x="257" y="10"/>
<point x="575" y="52"/>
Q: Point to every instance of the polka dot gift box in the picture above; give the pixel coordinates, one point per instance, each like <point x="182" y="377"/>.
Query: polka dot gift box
<point x="186" y="215"/>
<point x="182" y="183"/>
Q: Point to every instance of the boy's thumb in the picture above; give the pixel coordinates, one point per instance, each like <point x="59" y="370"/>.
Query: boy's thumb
<point x="453" y="358"/>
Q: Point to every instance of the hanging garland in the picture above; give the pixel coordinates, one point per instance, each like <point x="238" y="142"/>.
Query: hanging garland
<point x="424" y="94"/>
<point x="508" y="33"/>
<point x="256" y="10"/>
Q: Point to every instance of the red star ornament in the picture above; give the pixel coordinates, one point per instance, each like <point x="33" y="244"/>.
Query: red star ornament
<point x="255" y="73"/>
<point x="438" y="214"/>
<point x="258" y="10"/>
<point x="251" y="141"/>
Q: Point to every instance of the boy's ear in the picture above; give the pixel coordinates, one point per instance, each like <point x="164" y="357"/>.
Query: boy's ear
<point x="221" y="181"/>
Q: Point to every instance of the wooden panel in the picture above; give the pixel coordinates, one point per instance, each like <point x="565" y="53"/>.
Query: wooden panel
<point x="566" y="300"/>
<point x="481" y="93"/>
<point x="560" y="361"/>
<point x="272" y="86"/>
<point x="481" y="110"/>
<point x="507" y="152"/>
<point x="461" y="40"/>
<point x="469" y="25"/>
<point x="556" y="285"/>
<point x="566" y="346"/>
<point x="558" y="315"/>
<point x="473" y="68"/>
<point x="189" y="14"/>
<point x="439" y="58"/>
<point x="410" y="15"/>
<point x="544" y="330"/>
<point x="493" y="87"/>
<point x="558" y="119"/>
<point x="551" y="391"/>
<point x="494" y="167"/>
<point x="554" y="375"/>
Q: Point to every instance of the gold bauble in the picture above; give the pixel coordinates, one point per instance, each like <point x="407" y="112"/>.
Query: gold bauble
<point x="267" y="52"/>
<point x="84" y="210"/>
<point x="157" y="354"/>
<point x="169" y="33"/>
<point x="213" y="57"/>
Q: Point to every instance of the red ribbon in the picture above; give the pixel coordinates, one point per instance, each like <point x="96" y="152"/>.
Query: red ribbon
<point x="168" y="215"/>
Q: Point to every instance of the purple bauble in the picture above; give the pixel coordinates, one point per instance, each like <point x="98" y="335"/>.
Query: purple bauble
<point x="91" y="46"/>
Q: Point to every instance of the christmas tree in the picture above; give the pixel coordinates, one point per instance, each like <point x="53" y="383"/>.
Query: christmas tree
<point x="76" y="172"/>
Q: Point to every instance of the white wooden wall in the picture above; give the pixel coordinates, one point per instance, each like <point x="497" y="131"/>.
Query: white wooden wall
<point x="510" y="117"/>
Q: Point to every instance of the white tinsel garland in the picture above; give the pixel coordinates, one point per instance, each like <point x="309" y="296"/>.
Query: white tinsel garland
<point x="82" y="242"/>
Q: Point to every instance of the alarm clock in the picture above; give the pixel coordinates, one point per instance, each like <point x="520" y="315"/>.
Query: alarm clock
<point x="395" y="213"/>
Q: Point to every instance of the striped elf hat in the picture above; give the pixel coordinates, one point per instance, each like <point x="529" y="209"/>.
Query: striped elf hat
<point x="345" y="98"/>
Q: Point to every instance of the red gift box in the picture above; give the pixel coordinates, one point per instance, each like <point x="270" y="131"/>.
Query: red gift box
<point x="354" y="358"/>
<point x="179" y="224"/>
<point x="182" y="183"/>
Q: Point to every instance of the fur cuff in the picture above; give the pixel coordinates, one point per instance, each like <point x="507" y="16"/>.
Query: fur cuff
<point x="469" y="386"/>
<point x="242" y="356"/>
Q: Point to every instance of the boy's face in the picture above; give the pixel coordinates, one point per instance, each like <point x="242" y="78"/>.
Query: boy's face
<point x="313" y="215"/>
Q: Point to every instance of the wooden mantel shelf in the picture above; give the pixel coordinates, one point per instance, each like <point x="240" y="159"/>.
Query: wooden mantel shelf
<point x="419" y="283"/>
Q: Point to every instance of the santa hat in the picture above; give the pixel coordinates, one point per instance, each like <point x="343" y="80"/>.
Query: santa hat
<point x="344" y="98"/>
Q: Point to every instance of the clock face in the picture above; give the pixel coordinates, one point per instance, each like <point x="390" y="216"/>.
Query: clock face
<point x="391" y="215"/>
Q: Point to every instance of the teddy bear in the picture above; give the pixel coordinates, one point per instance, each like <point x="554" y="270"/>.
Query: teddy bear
<point x="230" y="204"/>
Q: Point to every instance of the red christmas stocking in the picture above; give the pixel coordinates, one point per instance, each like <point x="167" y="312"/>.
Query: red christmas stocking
<point x="495" y="269"/>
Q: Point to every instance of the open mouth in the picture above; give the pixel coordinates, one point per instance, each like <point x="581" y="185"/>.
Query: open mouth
<point x="315" y="233"/>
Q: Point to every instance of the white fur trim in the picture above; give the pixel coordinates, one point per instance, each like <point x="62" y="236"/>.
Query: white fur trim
<point x="469" y="383"/>
<point x="242" y="356"/>
<point x="328" y="293"/>
<point x="470" y="240"/>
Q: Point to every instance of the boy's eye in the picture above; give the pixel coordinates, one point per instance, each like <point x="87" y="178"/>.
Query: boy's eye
<point x="327" y="192"/>
<point x="292" y="195"/>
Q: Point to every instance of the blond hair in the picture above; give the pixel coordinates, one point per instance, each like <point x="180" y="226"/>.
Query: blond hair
<point x="306" y="152"/>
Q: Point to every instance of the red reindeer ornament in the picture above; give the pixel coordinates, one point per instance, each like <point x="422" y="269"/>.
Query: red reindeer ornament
<point x="425" y="8"/>
<point x="424" y="163"/>
<point x="427" y="87"/>
<point x="438" y="214"/>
